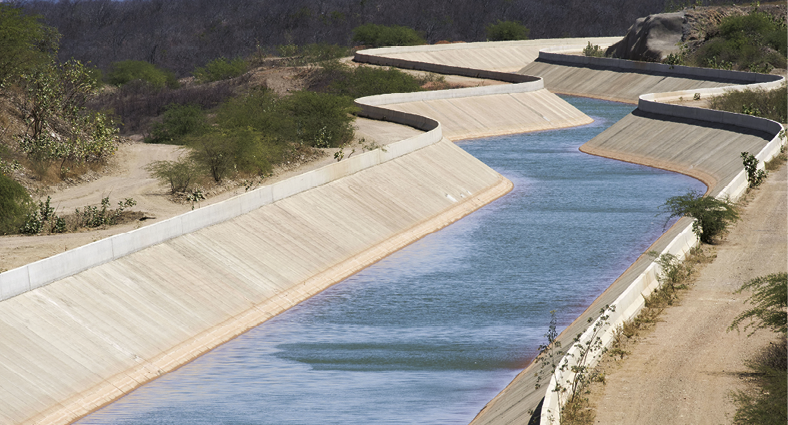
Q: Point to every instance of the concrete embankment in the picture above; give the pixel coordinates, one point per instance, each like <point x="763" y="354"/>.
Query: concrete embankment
<point x="624" y="81"/>
<point x="701" y="143"/>
<point x="82" y="341"/>
<point x="522" y="106"/>
<point x="88" y="325"/>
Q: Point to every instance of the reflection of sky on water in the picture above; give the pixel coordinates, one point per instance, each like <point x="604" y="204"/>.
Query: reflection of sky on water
<point x="434" y="331"/>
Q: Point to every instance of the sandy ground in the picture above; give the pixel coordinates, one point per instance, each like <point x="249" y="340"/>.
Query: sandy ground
<point x="684" y="369"/>
<point x="125" y="177"/>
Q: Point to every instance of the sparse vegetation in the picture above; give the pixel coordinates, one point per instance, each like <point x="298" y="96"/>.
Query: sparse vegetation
<point x="754" y="42"/>
<point x="769" y="104"/>
<point x="769" y="301"/>
<point x="180" y="174"/>
<point x="44" y="219"/>
<point x="712" y="216"/>
<point x="593" y="51"/>
<point x="764" y="404"/>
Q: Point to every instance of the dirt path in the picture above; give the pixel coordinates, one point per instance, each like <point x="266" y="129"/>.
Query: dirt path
<point x="684" y="369"/>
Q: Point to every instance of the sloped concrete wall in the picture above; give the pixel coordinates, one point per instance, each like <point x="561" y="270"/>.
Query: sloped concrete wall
<point x="84" y="340"/>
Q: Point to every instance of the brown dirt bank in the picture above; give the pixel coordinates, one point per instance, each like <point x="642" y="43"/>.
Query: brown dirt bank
<point x="683" y="371"/>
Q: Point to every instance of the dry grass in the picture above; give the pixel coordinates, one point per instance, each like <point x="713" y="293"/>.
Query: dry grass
<point x="674" y="282"/>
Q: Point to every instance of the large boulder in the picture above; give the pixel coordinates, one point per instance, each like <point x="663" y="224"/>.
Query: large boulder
<point x="651" y="39"/>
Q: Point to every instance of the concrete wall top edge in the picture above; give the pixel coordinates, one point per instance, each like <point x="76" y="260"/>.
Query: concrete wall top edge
<point x="382" y="51"/>
<point x="59" y="266"/>
<point x="550" y="55"/>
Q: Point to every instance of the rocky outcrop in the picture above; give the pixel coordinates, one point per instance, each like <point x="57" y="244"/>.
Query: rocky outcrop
<point x="651" y="39"/>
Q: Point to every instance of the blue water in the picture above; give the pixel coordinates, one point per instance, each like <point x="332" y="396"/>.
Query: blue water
<point x="431" y="333"/>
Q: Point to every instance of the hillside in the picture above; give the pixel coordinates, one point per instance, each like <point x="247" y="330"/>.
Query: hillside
<point x="181" y="35"/>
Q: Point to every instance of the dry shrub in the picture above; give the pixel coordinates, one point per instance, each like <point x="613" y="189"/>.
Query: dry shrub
<point x="137" y="104"/>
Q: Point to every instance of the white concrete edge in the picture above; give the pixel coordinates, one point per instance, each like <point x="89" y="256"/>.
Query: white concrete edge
<point x="632" y="300"/>
<point x="553" y="54"/>
<point x="43" y="272"/>
<point x="384" y="51"/>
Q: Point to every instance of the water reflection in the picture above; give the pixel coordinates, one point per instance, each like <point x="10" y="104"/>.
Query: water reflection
<point x="434" y="331"/>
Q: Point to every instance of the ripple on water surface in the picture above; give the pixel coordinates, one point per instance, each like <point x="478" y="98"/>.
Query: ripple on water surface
<point x="431" y="333"/>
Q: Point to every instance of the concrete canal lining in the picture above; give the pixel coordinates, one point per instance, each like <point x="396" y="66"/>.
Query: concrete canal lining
<point x="83" y="329"/>
<point x="89" y="325"/>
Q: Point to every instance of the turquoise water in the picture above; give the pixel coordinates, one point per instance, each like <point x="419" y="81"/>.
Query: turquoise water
<point x="431" y="333"/>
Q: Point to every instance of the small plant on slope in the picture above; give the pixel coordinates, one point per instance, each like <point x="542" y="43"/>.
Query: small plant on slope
<point x="712" y="216"/>
<point x="754" y="176"/>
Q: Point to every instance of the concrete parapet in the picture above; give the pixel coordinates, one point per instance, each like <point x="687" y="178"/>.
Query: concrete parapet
<point x="632" y="299"/>
<point x="555" y="55"/>
<point x="361" y="56"/>
<point x="48" y="270"/>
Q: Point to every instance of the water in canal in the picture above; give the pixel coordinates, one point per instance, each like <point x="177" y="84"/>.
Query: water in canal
<point x="433" y="332"/>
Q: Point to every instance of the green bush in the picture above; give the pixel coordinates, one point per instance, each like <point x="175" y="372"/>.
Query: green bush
<point x="343" y="80"/>
<point x="755" y="42"/>
<point x="712" y="216"/>
<point x="180" y="174"/>
<point x="25" y="43"/>
<point x="59" y="125"/>
<point x="225" y="153"/>
<point x="307" y="118"/>
<point x="15" y="204"/>
<point x="321" y="120"/>
<point x="220" y="69"/>
<point x="178" y="121"/>
<point x="769" y="300"/>
<point x="260" y="110"/>
<point x="507" y="30"/>
<point x="382" y="35"/>
<point x="769" y="104"/>
<point x="123" y="72"/>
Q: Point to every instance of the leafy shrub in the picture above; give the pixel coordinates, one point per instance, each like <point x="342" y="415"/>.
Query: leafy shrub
<point x="306" y="118"/>
<point x="15" y="204"/>
<point x="507" y="30"/>
<point x="712" y="216"/>
<point x="321" y="120"/>
<point x="343" y="80"/>
<point x="236" y="150"/>
<point x="260" y="110"/>
<point x="754" y="176"/>
<point x="178" y="121"/>
<point x="769" y="300"/>
<point x="220" y="69"/>
<point x="123" y="72"/>
<point x="386" y="35"/>
<point x="93" y="216"/>
<point x="180" y="174"/>
<point x="59" y="126"/>
<point x="25" y="43"/>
